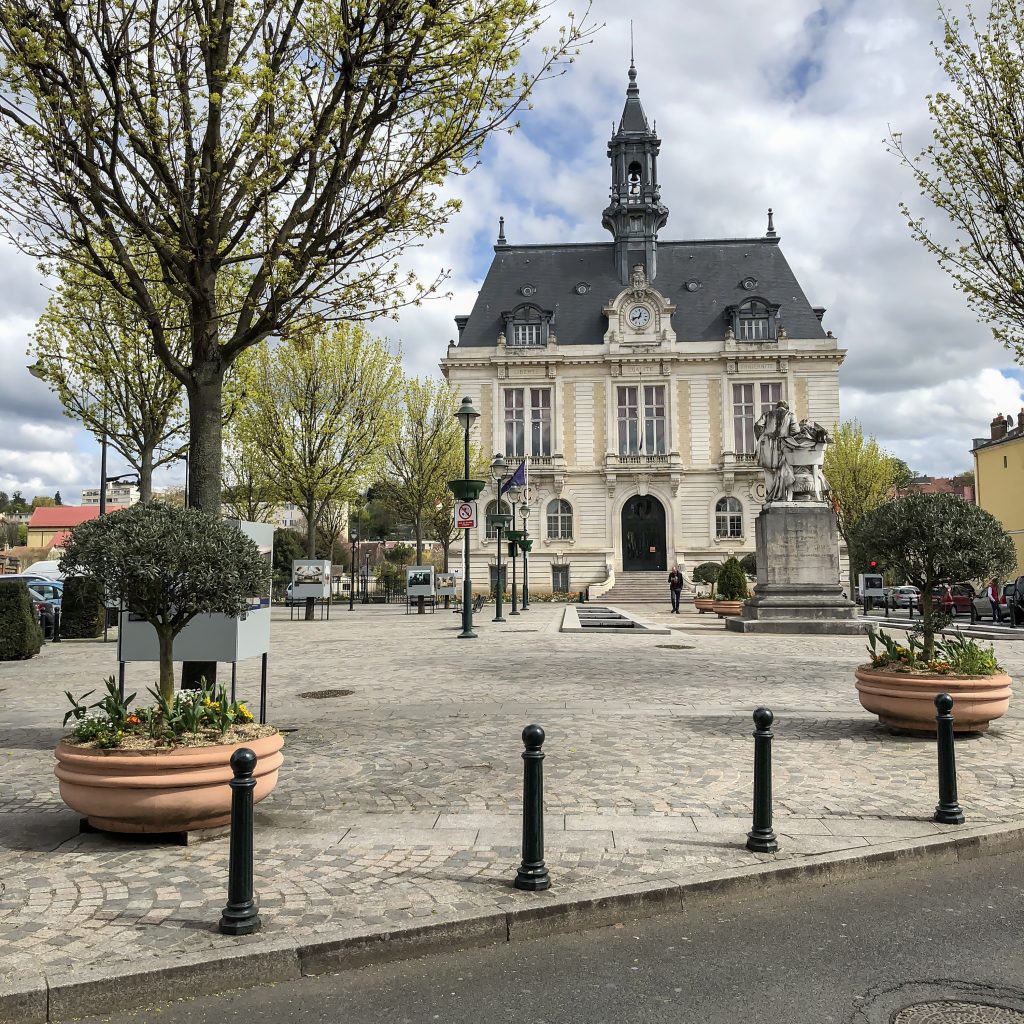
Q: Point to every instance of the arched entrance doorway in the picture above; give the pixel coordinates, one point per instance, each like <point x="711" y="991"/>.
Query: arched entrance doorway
<point x="643" y="535"/>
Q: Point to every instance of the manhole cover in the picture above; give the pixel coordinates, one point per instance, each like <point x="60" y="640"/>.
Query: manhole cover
<point x="957" y="1013"/>
<point x="675" y="647"/>
<point x="321" y="694"/>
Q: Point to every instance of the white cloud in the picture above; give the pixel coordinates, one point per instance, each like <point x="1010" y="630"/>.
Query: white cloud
<point x="783" y="104"/>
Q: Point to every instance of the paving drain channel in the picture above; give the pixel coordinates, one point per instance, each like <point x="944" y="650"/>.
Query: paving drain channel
<point x="957" y="1013"/>
<point x="675" y="647"/>
<point x="323" y="694"/>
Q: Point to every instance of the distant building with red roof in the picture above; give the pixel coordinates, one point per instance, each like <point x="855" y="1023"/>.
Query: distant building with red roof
<point x="51" y="521"/>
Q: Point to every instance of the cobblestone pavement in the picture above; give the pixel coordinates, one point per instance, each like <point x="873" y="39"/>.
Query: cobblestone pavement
<point x="401" y="803"/>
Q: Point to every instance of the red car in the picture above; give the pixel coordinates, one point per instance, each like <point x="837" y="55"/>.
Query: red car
<point x="957" y="600"/>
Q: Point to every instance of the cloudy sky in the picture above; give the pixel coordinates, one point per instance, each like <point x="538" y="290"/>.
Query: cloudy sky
<point x="782" y="104"/>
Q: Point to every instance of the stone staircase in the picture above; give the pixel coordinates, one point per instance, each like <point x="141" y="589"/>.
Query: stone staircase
<point x="640" y="588"/>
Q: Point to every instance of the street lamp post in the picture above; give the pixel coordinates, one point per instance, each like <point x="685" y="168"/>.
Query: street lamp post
<point x="525" y="545"/>
<point x="353" y="539"/>
<point x="498" y="467"/>
<point x="466" y="490"/>
<point x="514" y="536"/>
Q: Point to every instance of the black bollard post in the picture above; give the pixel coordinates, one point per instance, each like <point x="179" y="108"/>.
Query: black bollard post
<point x="532" y="873"/>
<point x="761" y="838"/>
<point x="947" y="810"/>
<point x="241" y="914"/>
<point x="56" y="624"/>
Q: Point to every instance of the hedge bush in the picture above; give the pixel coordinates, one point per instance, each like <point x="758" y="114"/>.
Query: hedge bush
<point x="732" y="581"/>
<point x="20" y="635"/>
<point x="748" y="563"/>
<point x="81" y="610"/>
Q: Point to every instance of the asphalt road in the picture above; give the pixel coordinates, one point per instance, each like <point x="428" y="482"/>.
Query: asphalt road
<point x="807" y="955"/>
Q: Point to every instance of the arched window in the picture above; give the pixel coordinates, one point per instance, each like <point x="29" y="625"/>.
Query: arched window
<point x="634" y="178"/>
<point x="559" y="520"/>
<point x="526" y="325"/>
<point x="492" y="507"/>
<point x="754" y="321"/>
<point x="728" y="518"/>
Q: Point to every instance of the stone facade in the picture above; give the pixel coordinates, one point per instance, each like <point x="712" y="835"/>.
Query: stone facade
<point x="633" y="395"/>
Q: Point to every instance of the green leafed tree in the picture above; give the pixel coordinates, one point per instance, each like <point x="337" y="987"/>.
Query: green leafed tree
<point x="300" y="146"/>
<point x="319" y="410"/>
<point x="95" y="351"/>
<point x="426" y="452"/>
<point x="168" y="565"/>
<point x="929" y="539"/>
<point x="862" y="476"/>
<point x="973" y="168"/>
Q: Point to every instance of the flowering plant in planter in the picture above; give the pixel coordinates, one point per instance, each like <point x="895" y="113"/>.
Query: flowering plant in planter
<point x="190" y="718"/>
<point x="955" y="655"/>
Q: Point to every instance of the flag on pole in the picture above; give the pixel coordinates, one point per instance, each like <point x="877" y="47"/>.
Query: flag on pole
<point x="517" y="479"/>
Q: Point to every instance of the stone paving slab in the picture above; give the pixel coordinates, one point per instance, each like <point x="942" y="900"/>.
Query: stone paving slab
<point x="401" y="804"/>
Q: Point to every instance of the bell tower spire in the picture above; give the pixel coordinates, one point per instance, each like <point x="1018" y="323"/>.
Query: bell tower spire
<point x="635" y="212"/>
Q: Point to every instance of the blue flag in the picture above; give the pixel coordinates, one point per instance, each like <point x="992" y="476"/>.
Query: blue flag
<point x="518" y="478"/>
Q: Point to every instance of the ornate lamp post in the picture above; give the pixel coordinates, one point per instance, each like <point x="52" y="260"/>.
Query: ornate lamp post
<point x="500" y="520"/>
<point x="514" y="536"/>
<point x="466" y="490"/>
<point x="353" y="539"/>
<point x="526" y="546"/>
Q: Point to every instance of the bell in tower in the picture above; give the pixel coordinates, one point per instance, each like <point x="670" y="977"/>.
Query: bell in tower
<point x="635" y="213"/>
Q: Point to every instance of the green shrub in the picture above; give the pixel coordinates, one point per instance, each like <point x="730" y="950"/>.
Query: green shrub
<point x="81" y="611"/>
<point x="732" y="581"/>
<point x="748" y="563"/>
<point x="707" y="573"/>
<point x="20" y="635"/>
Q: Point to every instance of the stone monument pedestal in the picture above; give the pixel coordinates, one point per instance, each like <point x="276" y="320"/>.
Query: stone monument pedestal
<point x="798" y="588"/>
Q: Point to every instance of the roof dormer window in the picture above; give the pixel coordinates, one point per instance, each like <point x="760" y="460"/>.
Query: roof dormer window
<point x="753" y="320"/>
<point x="527" y="325"/>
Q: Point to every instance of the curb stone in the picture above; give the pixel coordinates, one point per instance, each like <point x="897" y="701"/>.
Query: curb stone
<point x="61" y="997"/>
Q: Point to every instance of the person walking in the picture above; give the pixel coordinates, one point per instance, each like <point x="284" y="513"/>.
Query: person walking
<point x="993" y="597"/>
<point x="675" y="587"/>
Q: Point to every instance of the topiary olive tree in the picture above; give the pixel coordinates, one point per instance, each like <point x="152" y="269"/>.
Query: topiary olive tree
<point x="168" y="564"/>
<point x="748" y="563"/>
<point x="732" y="581"/>
<point x="929" y="539"/>
<point x="707" y="573"/>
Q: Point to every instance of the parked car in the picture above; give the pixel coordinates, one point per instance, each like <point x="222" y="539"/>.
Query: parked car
<point x="905" y="597"/>
<point x="44" y="610"/>
<point x="962" y="594"/>
<point x="1015" y="601"/>
<point x="49" y="589"/>
<point x="981" y="607"/>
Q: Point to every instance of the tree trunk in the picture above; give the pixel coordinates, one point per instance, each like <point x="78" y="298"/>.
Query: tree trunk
<point x="418" y="526"/>
<point x="146" y="475"/>
<point x="205" y="407"/>
<point x="927" y="626"/>
<point x="310" y="552"/>
<point x="166" y="641"/>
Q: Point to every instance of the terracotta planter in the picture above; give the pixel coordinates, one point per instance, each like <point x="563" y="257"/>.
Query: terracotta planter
<point x="703" y="604"/>
<point x="904" y="700"/>
<point x="175" y="790"/>
<point x="724" y="608"/>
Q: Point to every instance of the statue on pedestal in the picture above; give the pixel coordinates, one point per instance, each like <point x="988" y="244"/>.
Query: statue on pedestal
<point x="791" y="455"/>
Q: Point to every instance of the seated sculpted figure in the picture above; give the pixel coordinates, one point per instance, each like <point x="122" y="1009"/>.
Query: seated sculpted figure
<point x="779" y="435"/>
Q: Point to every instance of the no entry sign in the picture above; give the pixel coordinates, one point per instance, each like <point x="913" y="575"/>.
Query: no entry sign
<point x="465" y="515"/>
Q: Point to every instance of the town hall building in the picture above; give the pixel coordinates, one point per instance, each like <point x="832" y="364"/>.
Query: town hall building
<point x="630" y="373"/>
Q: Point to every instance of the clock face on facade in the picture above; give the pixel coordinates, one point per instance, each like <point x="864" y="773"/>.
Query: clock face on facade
<point x="639" y="316"/>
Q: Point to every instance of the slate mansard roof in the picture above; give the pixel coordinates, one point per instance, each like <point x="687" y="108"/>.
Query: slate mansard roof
<point x="718" y="266"/>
